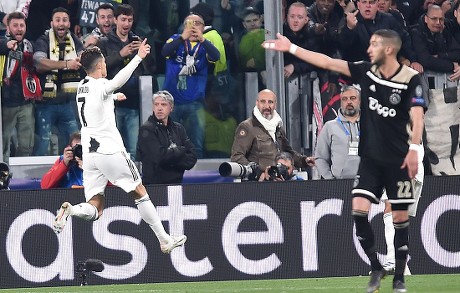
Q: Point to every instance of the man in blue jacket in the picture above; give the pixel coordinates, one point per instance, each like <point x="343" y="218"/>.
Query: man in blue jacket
<point x="188" y="55"/>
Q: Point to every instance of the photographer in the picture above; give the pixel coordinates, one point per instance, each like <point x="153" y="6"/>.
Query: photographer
<point x="67" y="171"/>
<point x="282" y="171"/>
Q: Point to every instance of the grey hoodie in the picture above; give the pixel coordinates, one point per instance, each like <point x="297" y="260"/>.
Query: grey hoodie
<point x="332" y="158"/>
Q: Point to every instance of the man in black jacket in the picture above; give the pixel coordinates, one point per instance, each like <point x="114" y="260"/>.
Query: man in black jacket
<point x="118" y="48"/>
<point x="434" y="41"/>
<point x="358" y="26"/>
<point x="163" y="146"/>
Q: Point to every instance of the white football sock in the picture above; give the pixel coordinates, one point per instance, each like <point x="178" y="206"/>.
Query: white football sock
<point x="149" y="214"/>
<point x="85" y="211"/>
<point x="389" y="237"/>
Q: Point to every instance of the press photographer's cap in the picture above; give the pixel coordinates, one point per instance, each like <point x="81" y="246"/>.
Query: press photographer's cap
<point x="165" y="95"/>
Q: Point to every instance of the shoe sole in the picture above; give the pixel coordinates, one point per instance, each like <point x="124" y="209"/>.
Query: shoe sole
<point x="61" y="218"/>
<point x="178" y="243"/>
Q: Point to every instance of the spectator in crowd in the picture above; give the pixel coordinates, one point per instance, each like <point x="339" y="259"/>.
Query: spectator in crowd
<point x="119" y="47"/>
<point x="410" y="9"/>
<point x="337" y="144"/>
<point x="259" y="138"/>
<point x="9" y="6"/>
<point x="438" y="49"/>
<point x="218" y="83"/>
<point x="324" y="20"/>
<point x="17" y="94"/>
<point x="454" y="27"/>
<point x="295" y="30"/>
<point x="232" y="13"/>
<point x="56" y="59"/>
<point x="211" y="34"/>
<point x="282" y="171"/>
<point x="39" y="17"/>
<point x="163" y="146"/>
<point x="105" y="22"/>
<point x="221" y="92"/>
<point x="231" y="23"/>
<point x="432" y="42"/>
<point x="251" y="53"/>
<point x="67" y="171"/>
<point x="359" y="25"/>
<point x="188" y="55"/>
<point x="387" y="6"/>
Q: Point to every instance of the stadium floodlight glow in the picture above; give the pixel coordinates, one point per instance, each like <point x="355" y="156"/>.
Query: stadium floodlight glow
<point x="90" y="265"/>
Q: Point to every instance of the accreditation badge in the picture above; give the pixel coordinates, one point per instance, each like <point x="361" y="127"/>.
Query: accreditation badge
<point x="353" y="148"/>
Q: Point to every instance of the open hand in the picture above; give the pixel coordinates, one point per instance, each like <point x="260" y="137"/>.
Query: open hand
<point x="280" y="44"/>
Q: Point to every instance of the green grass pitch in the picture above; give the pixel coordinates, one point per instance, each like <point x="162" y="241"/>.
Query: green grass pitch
<point x="415" y="284"/>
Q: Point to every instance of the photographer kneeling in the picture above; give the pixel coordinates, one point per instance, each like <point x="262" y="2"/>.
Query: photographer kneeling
<point x="67" y="171"/>
<point x="283" y="171"/>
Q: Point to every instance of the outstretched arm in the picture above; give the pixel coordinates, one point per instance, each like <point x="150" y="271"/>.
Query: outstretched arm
<point x="317" y="59"/>
<point x="123" y="75"/>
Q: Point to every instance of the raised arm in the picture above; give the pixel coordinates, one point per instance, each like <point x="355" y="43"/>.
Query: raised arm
<point x="317" y="59"/>
<point x="123" y="75"/>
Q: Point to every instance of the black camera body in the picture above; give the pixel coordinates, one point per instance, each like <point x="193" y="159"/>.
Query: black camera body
<point x="77" y="151"/>
<point x="5" y="175"/>
<point x="279" y="171"/>
<point x="249" y="172"/>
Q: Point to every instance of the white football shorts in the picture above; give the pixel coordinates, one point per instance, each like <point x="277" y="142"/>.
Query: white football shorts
<point x="99" y="169"/>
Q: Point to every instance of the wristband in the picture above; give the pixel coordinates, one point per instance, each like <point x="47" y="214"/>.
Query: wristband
<point x="292" y="49"/>
<point x="414" y="147"/>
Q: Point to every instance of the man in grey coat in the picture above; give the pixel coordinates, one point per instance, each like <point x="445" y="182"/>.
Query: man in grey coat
<point x="337" y="145"/>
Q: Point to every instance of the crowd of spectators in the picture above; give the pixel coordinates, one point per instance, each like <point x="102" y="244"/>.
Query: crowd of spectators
<point x="228" y="34"/>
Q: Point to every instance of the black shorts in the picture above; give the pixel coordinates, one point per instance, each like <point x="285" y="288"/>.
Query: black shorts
<point x="373" y="176"/>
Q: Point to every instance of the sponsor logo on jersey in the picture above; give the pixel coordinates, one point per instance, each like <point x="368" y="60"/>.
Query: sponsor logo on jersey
<point x="381" y="110"/>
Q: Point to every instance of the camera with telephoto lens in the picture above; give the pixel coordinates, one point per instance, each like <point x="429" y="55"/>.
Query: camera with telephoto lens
<point x="279" y="171"/>
<point x="77" y="151"/>
<point x="249" y="172"/>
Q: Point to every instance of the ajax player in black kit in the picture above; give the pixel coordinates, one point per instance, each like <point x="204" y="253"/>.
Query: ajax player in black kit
<point x="392" y="111"/>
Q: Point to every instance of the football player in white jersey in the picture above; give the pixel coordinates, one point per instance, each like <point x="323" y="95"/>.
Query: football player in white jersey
<point x="105" y="155"/>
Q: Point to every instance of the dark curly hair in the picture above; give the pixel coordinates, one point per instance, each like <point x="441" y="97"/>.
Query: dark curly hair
<point x="89" y="58"/>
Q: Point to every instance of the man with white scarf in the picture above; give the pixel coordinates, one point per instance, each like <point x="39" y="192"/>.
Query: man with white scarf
<point x="259" y="138"/>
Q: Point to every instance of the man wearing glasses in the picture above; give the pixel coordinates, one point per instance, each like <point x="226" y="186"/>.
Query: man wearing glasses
<point x="337" y="146"/>
<point x="187" y="58"/>
<point x="432" y="41"/>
